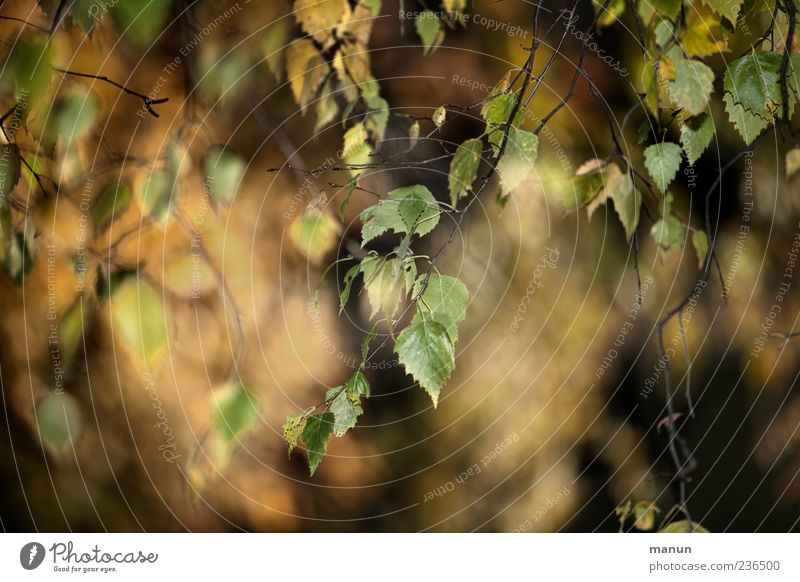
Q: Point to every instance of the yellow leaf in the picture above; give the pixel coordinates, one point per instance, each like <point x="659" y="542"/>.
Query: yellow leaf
<point x="320" y="17"/>
<point x="306" y="70"/>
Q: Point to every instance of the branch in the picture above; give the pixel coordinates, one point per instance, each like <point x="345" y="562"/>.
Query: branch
<point x="147" y="102"/>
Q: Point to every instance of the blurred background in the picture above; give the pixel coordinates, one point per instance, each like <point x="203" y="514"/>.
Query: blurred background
<point x="551" y="419"/>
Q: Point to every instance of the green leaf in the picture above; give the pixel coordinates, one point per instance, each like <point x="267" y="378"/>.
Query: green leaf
<point x="662" y="161"/>
<point x="727" y="8"/>
<point x="292" y="429"/>
<point x="223" y="174"/>
<point x="28" y="68"/>
<point x="667" y="232"/>
<point x="754" y="82"/>
<point x="357" y="386"/>
<point x="668" y="8"/>
<point x="426" y="351"/>
<point x="497" y="110"/>
<point x="696" y="135"/>
<point x="347" y="285"/>
<point x="693" y="85"/>
<point x="368" y="340"/>
<point x="72" y="117"/>
<point x="410" y="210"/>
<point x="140" y="21"/>
<point x="585" y="185"/>
<point x="429" y="30"/>
<point x="235" y="411"/>
<point x="627" y="201"/>
<point x="464" y="169"/>
<point x="273" y="45"/>
<point x="157" y="193"/>
<point x="315" y="233"/>
<point x="645" y="513"/>
<point x="59" y="421"/>
<point x="378" y="117"/>
<point x="345" y="410"/>
<point x="87" y="14"/>
<point x="445" y="300"/>
<point x="71" y="329"/>
<point x="682" y="526"/>
<point x="110" y="204"/>
<point x="413" y="134"/>
<point x="20" y="254"/>
<point x="10" y="166"/>
<point x="700" y="244"/>
<point x="518" y="159"/>
<point x="385" y="284"/>
<point x="613" y="10"/>
<point x="749" y="125"/>
<point x="138" y="315"/>
<point x="316" y="435"/>
<point x="327" y="109"/>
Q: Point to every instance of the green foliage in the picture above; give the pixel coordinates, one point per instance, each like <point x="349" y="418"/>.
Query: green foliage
<point x="426" y="351"/>
<point x="662" y="161"/>
<point x="696" y="135"/>
<point x="682" y="526"/>
<point x="316" y="435"/>
<point x="645" y="513"/>
<point x="518" y="160"/>
<point x="444" y="299"/>
<point x="140" y="21"/>
<point x="409" y="210"/>
<point x="10" y="169"/>
<point x="429" y="30"/>
<point x="59" y="422"/>
<point x="21" y="252"/>
<point x="138" y="316"/>
<point x="464" y="169"/>
<point x="700" y="244"/>
<point x="693" y="85"/>
<point x="110" y="204"/>
<point x="236" y="413"/>
<point x="223" y="171"/>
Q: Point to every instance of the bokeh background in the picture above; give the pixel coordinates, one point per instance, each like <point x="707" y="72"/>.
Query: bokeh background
<point x="560" y="440"/>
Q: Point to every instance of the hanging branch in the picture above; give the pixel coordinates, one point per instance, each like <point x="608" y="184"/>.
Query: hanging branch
<point x="146" y="101"/>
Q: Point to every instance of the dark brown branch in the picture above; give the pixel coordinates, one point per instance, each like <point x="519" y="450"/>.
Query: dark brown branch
<point x="147" y="102"/>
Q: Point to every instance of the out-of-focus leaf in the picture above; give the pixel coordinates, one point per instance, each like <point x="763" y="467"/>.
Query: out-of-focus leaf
<point x="306" y="69"/>
<point x="110" y="204"/>
<point x="645" y="513"/>
<point x="140" y="21"/>
<point x="224" y="171"/>
<point x="320" y="17"/>
<point x="189" y="276"/>
<point x="682" y="526"/>
<point x="273" y="44"/>
<point x="518" y="159"/>
<point x="235" y="413"/>
<point x="315" y="234"/>
<point x="700" y="244"/>
<point x="59" y="421"/>
<point x="21" y="253"/>
<point x="429" y="30"/>
<point x="139" y="318"/>
<point x="9" y="170"/>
